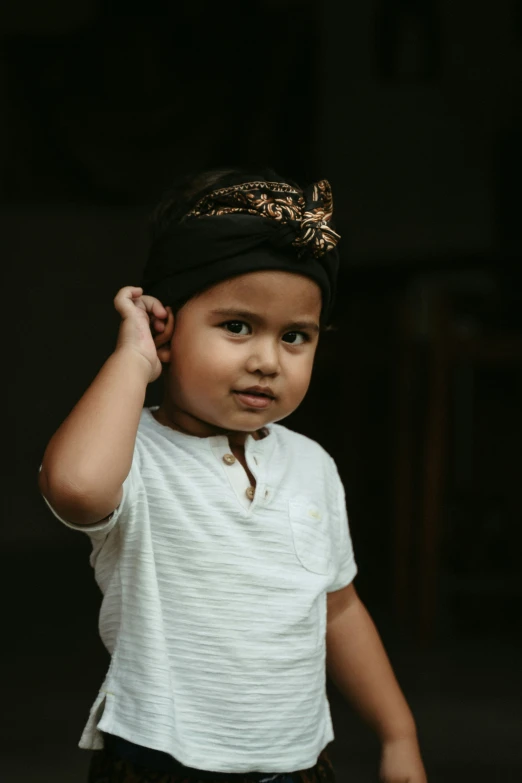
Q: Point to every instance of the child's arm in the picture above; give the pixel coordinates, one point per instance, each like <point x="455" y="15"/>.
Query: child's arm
<point x="359" y="667"/>
<point x="90" y="455"/>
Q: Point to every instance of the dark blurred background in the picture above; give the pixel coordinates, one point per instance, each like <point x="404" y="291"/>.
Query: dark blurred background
<point x="412" y="110"/>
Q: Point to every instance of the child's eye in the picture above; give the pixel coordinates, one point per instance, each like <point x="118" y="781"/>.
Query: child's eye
<point x="236" y="327"/>
<point x="296" y="338"/>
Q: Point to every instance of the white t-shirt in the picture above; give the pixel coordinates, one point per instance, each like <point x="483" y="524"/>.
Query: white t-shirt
<point x="214" y="607"/>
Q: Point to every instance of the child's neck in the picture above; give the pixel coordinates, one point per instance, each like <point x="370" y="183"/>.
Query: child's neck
<point x="236" y="439"/>
<point x="189" y="425"/>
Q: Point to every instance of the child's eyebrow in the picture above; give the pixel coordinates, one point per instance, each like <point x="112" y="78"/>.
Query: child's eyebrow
<point x="250" y="316"/>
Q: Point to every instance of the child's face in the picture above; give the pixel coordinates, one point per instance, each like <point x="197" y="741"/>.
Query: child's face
<point x="258" y="329"/>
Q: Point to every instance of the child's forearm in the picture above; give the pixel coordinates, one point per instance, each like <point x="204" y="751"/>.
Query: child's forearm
<point x="90" y="455"/>
<point x="360" y="668"/>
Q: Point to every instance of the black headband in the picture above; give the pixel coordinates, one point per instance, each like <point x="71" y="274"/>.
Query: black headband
<point x="247" y="228"/>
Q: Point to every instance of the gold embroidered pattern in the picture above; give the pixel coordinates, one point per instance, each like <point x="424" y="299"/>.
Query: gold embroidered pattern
<point x="307" y="212"/>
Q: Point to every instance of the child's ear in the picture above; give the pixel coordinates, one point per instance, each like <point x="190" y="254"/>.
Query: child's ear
<point x="162" y="340"/>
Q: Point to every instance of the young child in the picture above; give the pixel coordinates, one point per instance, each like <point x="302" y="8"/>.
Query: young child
<point x="220" y="538"/>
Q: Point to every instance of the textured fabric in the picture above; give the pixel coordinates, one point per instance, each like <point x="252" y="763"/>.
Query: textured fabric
<point x="245" y="228"/>
<point x="106" y="768"/>
<point x="215" y="613"/>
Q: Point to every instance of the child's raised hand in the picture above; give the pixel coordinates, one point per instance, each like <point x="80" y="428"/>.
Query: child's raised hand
<point x="146" y="324"/>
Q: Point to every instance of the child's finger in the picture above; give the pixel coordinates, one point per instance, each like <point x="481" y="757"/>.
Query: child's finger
<point x="165" y="330"/>
<point x="124" y="299"/>
<point x="154" y="306"/>
<point x="157" y="325"/>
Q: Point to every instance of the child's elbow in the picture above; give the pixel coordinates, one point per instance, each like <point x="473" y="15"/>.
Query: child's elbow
<point x="75" y="502"/>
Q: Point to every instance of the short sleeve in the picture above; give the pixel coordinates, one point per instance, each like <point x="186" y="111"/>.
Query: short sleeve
<point x="106" y="525"/>
<point x="346" y="567"/>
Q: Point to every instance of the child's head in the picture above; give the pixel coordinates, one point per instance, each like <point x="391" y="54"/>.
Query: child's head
<point x="248" y="264"/>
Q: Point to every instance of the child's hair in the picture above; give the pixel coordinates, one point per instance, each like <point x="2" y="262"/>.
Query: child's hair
<point x="185" y="192"/>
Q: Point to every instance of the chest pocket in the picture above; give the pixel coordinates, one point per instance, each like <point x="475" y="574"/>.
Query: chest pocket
<point x="311" y="535"/>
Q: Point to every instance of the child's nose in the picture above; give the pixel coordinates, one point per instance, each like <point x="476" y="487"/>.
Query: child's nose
<point x="264" y="358"/>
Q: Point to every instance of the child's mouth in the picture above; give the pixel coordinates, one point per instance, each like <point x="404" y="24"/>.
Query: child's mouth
<point x="254" y="399"/>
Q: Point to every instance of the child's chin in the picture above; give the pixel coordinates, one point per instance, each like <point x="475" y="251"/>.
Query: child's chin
<point x="248" y="423"/>
<point x="247" y="427"/>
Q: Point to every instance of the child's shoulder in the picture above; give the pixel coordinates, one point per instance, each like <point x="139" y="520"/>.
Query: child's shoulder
<point x="302" y="444"/>
<point x="310" y="469"/>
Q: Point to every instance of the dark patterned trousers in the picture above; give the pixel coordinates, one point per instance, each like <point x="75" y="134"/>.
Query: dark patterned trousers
<point x="106" y="768"/>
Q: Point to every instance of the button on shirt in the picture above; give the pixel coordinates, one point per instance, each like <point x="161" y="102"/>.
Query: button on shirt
<point x="214" y="608"/>
<point x="234" y="470"/>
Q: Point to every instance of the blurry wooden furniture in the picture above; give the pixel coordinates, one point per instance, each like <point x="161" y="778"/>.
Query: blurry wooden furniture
<point x="420" y="473"/>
